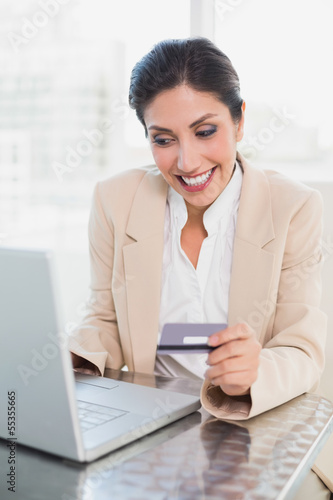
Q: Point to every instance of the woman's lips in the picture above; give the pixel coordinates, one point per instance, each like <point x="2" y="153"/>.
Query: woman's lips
<point x="200" y="184"/>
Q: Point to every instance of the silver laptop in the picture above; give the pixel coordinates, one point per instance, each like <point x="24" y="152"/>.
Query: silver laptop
<point x="79" y="417"/>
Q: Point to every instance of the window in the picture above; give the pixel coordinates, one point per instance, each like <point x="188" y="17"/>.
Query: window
<point x="282" y="53"/>
<point x="64" y="117"/>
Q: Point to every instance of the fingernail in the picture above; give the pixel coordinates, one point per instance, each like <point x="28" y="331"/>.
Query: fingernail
<point x="213" y="340"/>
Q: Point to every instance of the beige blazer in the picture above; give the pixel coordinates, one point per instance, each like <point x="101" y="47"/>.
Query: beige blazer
<point x="275" y="283"/>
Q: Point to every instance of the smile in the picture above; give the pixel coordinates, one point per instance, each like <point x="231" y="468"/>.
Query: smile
<point x="198" y="182"/>
<point x="199" y="179"/>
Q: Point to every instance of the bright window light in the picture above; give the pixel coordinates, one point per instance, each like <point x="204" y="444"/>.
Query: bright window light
<point x="282" y="52"/>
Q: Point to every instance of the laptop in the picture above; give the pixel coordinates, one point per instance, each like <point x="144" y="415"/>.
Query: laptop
<point x="44" y="404"/>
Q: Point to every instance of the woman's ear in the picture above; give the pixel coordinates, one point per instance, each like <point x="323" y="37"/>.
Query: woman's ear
<point x="240" y="126"/>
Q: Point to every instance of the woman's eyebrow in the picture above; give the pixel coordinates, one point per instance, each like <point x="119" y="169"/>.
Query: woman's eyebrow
<point x="160" y="129"/>
<point x="202" y="119"/>
<point x="196" y="122"/>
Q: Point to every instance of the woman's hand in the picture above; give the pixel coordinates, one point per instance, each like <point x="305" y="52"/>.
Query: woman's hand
<point x="234" y="364"/>
<point x="81" y="365"/>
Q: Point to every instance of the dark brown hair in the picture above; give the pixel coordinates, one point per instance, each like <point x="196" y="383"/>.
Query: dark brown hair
<point x="196" y="62"/>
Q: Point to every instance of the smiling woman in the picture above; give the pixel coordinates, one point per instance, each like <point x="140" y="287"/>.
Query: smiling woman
<point x="204" y="237"/>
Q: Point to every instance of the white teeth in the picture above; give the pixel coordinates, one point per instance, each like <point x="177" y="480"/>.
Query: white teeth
<point x="199" y="179"/>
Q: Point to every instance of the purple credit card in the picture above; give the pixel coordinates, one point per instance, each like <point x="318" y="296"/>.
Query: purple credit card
<point x="177" y="338"/>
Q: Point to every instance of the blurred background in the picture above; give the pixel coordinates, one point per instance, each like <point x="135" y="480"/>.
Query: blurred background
<point x="65" y="122"/>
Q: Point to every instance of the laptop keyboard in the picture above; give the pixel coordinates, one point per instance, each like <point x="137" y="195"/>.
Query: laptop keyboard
<point x="92" y="415"/>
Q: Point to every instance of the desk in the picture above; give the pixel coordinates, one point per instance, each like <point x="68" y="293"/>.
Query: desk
<point x="197" y="457"/>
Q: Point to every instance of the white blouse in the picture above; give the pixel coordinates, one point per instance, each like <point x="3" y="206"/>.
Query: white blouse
<point x="198" y="295"/>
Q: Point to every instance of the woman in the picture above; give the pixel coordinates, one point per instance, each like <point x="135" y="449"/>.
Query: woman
<point x="204" y="237"/>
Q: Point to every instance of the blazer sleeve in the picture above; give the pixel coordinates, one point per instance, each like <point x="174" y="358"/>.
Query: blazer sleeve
<point x="97" y="337"/>
<point x="292" y="358"/>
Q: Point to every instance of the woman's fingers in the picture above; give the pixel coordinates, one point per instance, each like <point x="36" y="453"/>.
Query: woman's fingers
<point x="234" y="363"/>
<point x="236" y="332"/>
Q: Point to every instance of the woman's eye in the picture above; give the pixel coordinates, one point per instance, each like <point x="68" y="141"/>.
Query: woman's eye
<point x="207" y="132"/>
<point x="161" y="142"/>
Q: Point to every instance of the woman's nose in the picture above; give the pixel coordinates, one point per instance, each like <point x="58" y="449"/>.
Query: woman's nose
<point x="189" y="159"/>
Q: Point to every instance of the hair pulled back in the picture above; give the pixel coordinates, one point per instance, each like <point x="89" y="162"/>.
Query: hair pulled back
<point x="195" y="62"/>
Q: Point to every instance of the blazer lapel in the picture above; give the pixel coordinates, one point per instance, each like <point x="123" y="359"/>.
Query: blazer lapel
<point x="143" y="263"/>
<point x="251" y="276"/>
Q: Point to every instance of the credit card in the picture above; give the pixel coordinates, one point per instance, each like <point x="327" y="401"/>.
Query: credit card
<point x="177" y="338"/>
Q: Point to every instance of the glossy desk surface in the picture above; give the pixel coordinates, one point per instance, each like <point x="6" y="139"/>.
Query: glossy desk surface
<point x="197" y="457"/>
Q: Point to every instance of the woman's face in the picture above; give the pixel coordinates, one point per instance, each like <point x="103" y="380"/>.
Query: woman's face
<point x="193" y="140"/>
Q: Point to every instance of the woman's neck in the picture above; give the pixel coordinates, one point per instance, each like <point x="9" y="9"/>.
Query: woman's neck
<point x="195" y="214"/>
